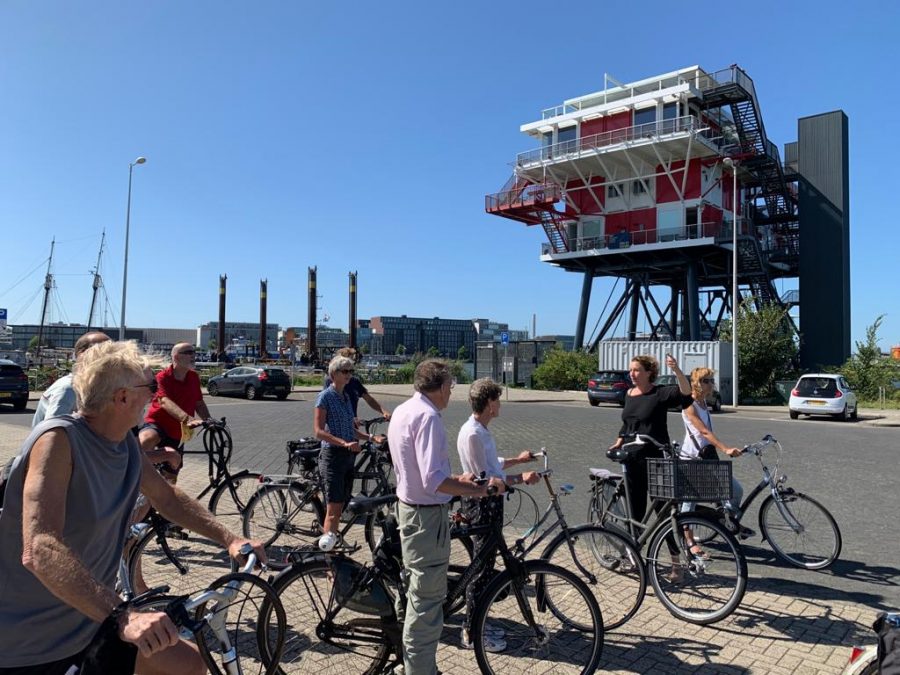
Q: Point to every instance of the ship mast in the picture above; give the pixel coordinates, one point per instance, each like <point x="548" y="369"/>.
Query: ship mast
<point x="97" y="282"/>
<point x="48" y="284"/>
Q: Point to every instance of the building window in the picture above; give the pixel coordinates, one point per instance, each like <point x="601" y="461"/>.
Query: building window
<point x="567" y="136"/>
<point x="670" y="112"/>
<point x="637" y="187"/>
<point x="645" y="116"/>
<point x="611" y="191"/>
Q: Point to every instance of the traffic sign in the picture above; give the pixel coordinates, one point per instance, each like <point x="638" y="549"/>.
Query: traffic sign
<point x="504" y="338"/>
<point x="2" y="317"/>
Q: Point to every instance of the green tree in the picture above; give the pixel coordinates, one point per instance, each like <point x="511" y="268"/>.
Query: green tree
<point x="868" y="369"/>
<point x="432" y="352"/>
<point x="565" y="370"/>
<point x="401" y="350"/>
<point x="462" y="354"/>
<point x="364" y="348"/>
<point x="767" y="350"/>
<point x="33" y="343"/>
<point x="211" y="345"/>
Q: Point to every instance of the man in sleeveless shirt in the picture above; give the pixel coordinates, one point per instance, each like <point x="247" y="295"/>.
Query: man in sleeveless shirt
<point x="62" y="530"/>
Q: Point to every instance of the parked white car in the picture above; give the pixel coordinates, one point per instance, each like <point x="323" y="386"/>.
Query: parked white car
<point x="823" y="394"/>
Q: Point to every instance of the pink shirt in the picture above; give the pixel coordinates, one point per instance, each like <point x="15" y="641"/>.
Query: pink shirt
<point x="418" y="443"/>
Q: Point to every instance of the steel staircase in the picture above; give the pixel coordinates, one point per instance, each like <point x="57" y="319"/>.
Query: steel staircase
<point x="533" y="204"/>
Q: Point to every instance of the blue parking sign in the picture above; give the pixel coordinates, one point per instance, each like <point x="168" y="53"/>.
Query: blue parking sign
<point x="504" y="338"/>
<point x="2" y="318"/>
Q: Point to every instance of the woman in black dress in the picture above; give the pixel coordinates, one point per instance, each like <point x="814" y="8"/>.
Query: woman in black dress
<point x="645" y="412"/>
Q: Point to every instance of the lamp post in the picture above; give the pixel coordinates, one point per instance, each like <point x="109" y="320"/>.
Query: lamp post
<point x="732" y="164"/>
<point x="139" y="160"/>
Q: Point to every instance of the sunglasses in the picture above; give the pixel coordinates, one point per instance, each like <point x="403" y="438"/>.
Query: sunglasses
<point x="152" y="386"/>
<point x="187" y="352"/>
<point x="707" y="380"/>
<point x="346" y="371"/>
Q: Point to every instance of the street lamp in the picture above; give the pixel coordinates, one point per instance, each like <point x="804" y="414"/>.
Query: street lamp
<point x="732" y="164"/>
<point x="139" y="160"/>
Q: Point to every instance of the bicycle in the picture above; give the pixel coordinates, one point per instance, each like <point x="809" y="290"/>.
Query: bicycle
<point x="287" y="512"/>
<point x="799" y="529"/>
<point x="345" y="620"/>
<point x="699" y="588"/>
<point x="218" y="621"/>
<point x="165" y="553"/>
<point x="607" y="561"/>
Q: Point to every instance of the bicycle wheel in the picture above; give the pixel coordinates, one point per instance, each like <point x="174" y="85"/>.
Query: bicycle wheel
<point x="800" y="530"/>
<point x="697" y="590"/>
<point x="548" y="639"/>
<point x="284" y="517"/>
<point x="230" y="498"/>
<point x="520" y="513"/>
<point x="174" y="557"/>
<point x="253" y="620"/>
<point x="615" y="570"/>
<point x="324" y="637"/>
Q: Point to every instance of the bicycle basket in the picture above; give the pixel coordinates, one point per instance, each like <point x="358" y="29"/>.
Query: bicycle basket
<point x="707" y="481"/>
<point x="304" y="452"/>
<point x="356" y="591"/>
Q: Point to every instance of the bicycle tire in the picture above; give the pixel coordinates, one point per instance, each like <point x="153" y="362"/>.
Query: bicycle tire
<point x="150" y="565"/>
<point x="697" y="591"/>
<point x="284" y="517"/>
<point x="816" y="547"/>
<point x="619" y="581"/>
<point x="257" y="637"/>
<point x="559" y="600"/>
<point x="305" y="590"/>
<point x="229" y="500"/>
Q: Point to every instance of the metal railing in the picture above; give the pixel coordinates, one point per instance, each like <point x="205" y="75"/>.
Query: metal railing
<point x="686" y="124"/>
<point x="621" y="240"/>
<point x="526" y="196"/>
<point x="556" y="111"/>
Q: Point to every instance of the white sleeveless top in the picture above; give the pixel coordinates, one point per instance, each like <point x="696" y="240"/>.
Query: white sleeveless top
<point x="690" y="449"/>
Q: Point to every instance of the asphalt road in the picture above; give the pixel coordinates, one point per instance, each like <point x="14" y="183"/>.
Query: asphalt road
<point x="851" y="468"/>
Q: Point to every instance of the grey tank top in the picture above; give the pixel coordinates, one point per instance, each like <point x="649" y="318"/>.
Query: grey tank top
<point x="35" y="626"/>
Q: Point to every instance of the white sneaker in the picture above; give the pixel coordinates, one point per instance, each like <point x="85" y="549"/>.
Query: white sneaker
<point x="492" y="643"/>
<point x="328" y="541"/>
<point x="494" y="630"/>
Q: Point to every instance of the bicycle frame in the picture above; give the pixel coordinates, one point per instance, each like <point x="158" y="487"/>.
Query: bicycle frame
<point x="771" y="479"/>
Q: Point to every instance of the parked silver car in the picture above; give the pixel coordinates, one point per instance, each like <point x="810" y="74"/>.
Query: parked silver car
<point x="823" y="394"/>
<point x="252" y="382"/>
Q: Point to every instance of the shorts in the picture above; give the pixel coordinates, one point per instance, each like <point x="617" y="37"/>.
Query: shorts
<point x="336" y="469"/>
<point x="165" y="442"/>
<point x="60" y="667"/>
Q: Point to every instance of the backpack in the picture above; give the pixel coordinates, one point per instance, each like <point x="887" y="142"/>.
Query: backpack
<point x="888" y="628"/>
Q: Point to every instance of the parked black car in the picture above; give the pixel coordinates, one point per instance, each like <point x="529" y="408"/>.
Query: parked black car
<point x="252" y="382"/>
<point x="13" y="385"/>
<point x="608" y="386"/>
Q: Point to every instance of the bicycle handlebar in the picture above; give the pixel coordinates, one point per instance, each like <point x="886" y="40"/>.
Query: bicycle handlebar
<point x="212" y="423"/>
<point x="373" y="422"/>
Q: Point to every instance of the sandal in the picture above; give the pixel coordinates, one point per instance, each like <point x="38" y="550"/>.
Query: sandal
<point x="698" y="552"/>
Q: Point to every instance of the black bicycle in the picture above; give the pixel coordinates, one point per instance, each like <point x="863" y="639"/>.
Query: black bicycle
<point x="343" y="616"/>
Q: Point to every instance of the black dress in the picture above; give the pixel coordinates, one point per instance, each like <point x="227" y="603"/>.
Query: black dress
<point x="647" y="414"/>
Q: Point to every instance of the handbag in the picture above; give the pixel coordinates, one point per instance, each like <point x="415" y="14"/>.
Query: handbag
<point x="706" y="451"/>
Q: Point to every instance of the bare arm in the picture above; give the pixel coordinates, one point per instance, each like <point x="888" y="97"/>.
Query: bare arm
<point x="684" y="386"/>
<point x="202" y="410"/>
<point x="319" y="424"/>
<point x="465" y="486"/>
<point x="707" y="433"/>
<point x="376" y="406"/>
<point x="174" y="409"/>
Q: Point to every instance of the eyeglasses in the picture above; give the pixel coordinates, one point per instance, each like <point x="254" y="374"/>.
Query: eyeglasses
<point x="707" y="380"/>
<point x="152" y="386"/>
<point x="346" y="371"/>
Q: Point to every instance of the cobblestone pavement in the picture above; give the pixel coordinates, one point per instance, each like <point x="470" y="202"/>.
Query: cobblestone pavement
<point x="791" y="621"/>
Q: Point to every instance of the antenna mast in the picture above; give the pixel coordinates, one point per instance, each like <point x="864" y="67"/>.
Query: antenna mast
<point x="97" y="282"/>
<point x="48" y="284"/>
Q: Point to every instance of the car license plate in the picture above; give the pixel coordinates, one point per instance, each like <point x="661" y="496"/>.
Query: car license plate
<point x="815" y="402"/>
<point x="605" y="387"/>
<point x="5" y="394"/>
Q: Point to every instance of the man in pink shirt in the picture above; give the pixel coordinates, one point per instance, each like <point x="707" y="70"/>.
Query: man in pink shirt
<point x="425" y="485"/>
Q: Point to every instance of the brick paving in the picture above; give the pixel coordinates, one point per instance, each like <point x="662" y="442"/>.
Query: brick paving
<point x="782" y="626"/>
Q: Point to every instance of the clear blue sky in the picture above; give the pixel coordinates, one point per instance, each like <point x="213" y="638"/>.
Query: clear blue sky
<point x="364" y="136"/>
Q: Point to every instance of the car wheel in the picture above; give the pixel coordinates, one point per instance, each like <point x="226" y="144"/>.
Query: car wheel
<point x="250" y="392"/>
<point x="794" y="414"/>
<point x="846" y="414"/>
<point x="212" y="389"/>
<point x="717" y="404"/>
<point x="281" y="397"/>
<point x="855" y="415"/>
<point x="20" y="405"/>
<point x="593" y="403"/>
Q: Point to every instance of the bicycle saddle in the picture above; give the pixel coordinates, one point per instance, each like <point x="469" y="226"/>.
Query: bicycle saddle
<point x="361" y="504"/>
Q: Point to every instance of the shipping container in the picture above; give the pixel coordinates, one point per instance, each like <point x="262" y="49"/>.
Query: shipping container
<point x="617" y="355"/>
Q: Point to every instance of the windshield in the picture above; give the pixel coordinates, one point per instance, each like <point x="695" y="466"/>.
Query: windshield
<point x="818" y="387"/>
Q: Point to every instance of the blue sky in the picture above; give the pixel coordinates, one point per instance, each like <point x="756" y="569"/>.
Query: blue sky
<point x="364" y="136"/>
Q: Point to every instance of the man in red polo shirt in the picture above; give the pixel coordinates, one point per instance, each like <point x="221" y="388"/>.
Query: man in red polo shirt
<point x="172" y="411"/>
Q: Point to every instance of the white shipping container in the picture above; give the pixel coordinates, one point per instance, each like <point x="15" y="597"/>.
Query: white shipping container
<point x="617" y="355"/>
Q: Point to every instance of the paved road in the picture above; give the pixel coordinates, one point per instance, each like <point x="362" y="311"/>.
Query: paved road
<point x="791" y="621"/>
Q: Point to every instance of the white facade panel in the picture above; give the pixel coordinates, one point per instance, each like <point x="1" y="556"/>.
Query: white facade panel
<point x="617" y="355"/>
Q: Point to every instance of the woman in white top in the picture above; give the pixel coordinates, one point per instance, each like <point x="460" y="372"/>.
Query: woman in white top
<point x="478" y="452"/>
<point x="699" y="440"/>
